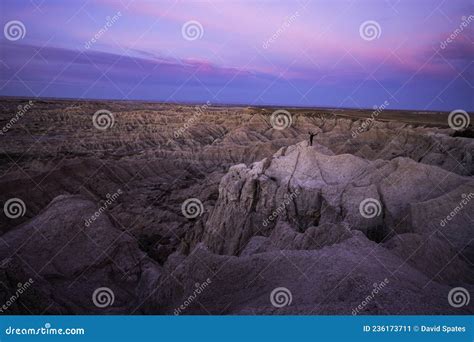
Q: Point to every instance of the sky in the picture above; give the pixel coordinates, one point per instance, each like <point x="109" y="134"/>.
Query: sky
<point x="323" y="53"/>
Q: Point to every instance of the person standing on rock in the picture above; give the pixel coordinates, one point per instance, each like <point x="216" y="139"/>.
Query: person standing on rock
<point x="311" y="136"/>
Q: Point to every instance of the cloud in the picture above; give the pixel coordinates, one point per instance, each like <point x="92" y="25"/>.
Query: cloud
<point x="59" y="65"/>
<point x="317" y="59"/>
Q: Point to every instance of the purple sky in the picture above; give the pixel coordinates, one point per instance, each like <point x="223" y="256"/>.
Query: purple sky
<point x="295" y="53"/>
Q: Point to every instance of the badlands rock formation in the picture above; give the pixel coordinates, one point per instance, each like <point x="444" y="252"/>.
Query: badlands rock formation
<point x="366" y="221"/>
<point x="328" y="189"/>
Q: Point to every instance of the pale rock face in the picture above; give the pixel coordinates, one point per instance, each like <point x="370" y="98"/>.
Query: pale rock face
<point x="307" y="188"/>
<point x="409" y="182"/>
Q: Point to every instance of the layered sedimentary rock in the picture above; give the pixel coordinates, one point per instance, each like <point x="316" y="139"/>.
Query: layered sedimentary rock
<point x="371" y="219"/>
<point x="316" y="187"/>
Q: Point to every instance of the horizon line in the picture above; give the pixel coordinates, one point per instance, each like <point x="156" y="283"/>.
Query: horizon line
<point x="228" y="104"/>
